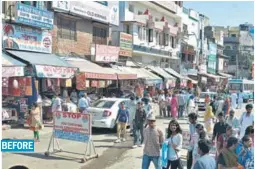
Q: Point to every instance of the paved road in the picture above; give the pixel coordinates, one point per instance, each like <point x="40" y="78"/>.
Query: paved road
<point x="111" y="156"/>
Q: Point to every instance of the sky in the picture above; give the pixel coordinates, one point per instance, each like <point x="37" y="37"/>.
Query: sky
<point x="224" y="13"/>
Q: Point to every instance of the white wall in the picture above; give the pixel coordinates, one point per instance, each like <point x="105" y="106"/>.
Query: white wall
<point x="156" y="12"/>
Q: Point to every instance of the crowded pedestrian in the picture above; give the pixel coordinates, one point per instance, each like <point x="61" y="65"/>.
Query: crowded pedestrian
<point x="153" y="140"/>
<point x="227" y="158"/>
<point x="181" y="104"/>
<point x="240" y="100"/>
<point x="208" y="119"/>
<point x="122" y="121"/>
<point x="162" y="104"/>
<point x="244" y="150"/>
<point x="233" y="121"/>
<point x="219" y="128"/>
<point x="233" y="100"/>
<point x="226" y="107"/>
<point x="220" y="105"/>
<point x="223" y="139"/>
<point x="74" y="96"/>
<point x="83" y="104"/>
<point x="193" y="144"/>
<point x="138" y="125"/>
<point x="174" y="106"/>
<point x="132" y="110"/>
<point x="192" y="131"/>
<point x="250" y="132"/>
<point x="57" y="103"/>
<point x="191" y="106"/>
<point x="247" y="119"/>
<point x="174" y="139"/>
<point x="35" y="121"/>
<point x="168" y="104"/>
<point x="205" y="161"/>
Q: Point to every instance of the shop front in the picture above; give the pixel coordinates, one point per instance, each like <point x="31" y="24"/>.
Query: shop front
<point x="51" y="76"/>
<point x="169" y="81"/>
<point x="15" y="88"/>
<point x="181" y="81"/>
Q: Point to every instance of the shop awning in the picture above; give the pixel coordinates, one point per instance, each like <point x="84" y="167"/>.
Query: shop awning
<point x="142" y="73"/>
<point x="11" y="67"/>
<point x="46" y="65"/>
<point x="161" y="72"/>
<point x="225" y="75"/>
<point x="174" y="73"/>
<point x="211" y="75"/>
<point x="193" y="81"/>
<point x="92" y="70"/>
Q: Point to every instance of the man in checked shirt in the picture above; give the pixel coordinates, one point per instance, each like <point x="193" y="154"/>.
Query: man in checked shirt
<point x="153" y="140"/>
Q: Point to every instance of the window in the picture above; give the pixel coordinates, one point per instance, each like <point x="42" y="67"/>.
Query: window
<point x="156" y="19"/>
<point x="37" y="4"/>
<point x="185" y="28"/>
<point x="144" y="34"/>
<point x="150" y="35"/>
<point x="172" y="41"/>
<point x="233" y="35"/>
<point x="128" y="29"/>
<point x="3" y="7"/>
<point x="233" y="58"/>
<point x="99" y="35"/>
<point x="66" y="28"/>
<point x="140" y="13"/>
<point x="131" y="8"/>
<point x="103" y="104"/>
<point x="157" y="38"/>
<point x="166" y="39"/>
<point x="235" y="86"/>
<point x="161" y="39"/>
<point x="139" y="32"/>
<point x="228" y="47"/>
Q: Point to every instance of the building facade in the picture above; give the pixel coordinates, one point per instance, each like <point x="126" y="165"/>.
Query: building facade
<point x="154" y="27"/>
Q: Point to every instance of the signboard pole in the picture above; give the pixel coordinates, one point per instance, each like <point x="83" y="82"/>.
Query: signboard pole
<point x="73" y="127"/>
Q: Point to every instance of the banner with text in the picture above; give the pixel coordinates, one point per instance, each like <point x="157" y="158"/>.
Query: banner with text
<point x="54" y="71"/>
<point x="72" y="126"/>
<point x="26" y="38"/>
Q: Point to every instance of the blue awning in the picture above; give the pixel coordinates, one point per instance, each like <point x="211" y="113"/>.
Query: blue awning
<point x="39" y="58"/>
<point x="46" y="65"/>
<point x="9" y="61"/>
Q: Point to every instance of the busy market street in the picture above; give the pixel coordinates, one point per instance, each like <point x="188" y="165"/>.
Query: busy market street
<point x="127" y="85"/>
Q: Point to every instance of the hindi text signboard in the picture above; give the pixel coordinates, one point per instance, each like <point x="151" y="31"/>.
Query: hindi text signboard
<point x="72" y="126"/>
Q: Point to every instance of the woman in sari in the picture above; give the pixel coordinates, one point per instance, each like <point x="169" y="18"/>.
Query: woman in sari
<point x="208" y="119"/>
<point x="226" y="107"/>
<point x="228" y="158"/>
<point x="174" y="106"/>
<point x="36" y="123"/>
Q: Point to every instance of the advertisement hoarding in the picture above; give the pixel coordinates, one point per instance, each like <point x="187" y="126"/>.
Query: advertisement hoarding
<point x="26" y="38"/>
<point x="126" y="44"/>
<point x="212" y="58"/>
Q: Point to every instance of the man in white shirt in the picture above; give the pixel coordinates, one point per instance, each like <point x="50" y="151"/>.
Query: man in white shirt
<point x="57" y="105"/>
<point x="233" y="100"/>
<point x="247" y="119"/>
<point x="240" y="100"/>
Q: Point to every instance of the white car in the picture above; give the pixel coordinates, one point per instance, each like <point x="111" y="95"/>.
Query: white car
<point x="201" y="100"/>
<point x="104" y="112"/>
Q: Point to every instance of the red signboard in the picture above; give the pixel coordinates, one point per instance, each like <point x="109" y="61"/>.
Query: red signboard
<point x="100" y="76"/>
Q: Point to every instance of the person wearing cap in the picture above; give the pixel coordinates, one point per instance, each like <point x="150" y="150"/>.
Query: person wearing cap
<point x="233" y="122"/>
<point x="247" y="119"/>
<point x="153" y="140"/>
<point x="138" y="124"/>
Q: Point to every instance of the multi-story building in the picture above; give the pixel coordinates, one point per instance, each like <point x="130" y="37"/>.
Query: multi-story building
<point x="84" y="28"/>
<point x="239" y="45"/>
<point x="154" y="27"/>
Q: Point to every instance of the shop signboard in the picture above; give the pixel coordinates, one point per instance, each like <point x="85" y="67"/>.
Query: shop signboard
<point x="72" y="126"/>
<point x="126" y="44"/>
<point x="12" y="71"/>
<point x="104" y="13"/>
<point x="54" y="71"/>
<point x="212" y="58"/>
<point x="32" y="16"/>
<point x="220" y="64"/>
<point x="26" y="38"/>
<point x="61" y="5"/>
<point x="105" y="53"/>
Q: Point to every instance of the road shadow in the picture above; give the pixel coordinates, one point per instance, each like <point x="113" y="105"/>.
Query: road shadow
<point x="114" y="146"/>
<point x="52" y="156"/>
<point x="105" y="140"/>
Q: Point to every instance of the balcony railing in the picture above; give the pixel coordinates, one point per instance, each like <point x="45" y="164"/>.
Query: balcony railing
<point x="231" y="40"/>
<point x="151" y="50"/>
